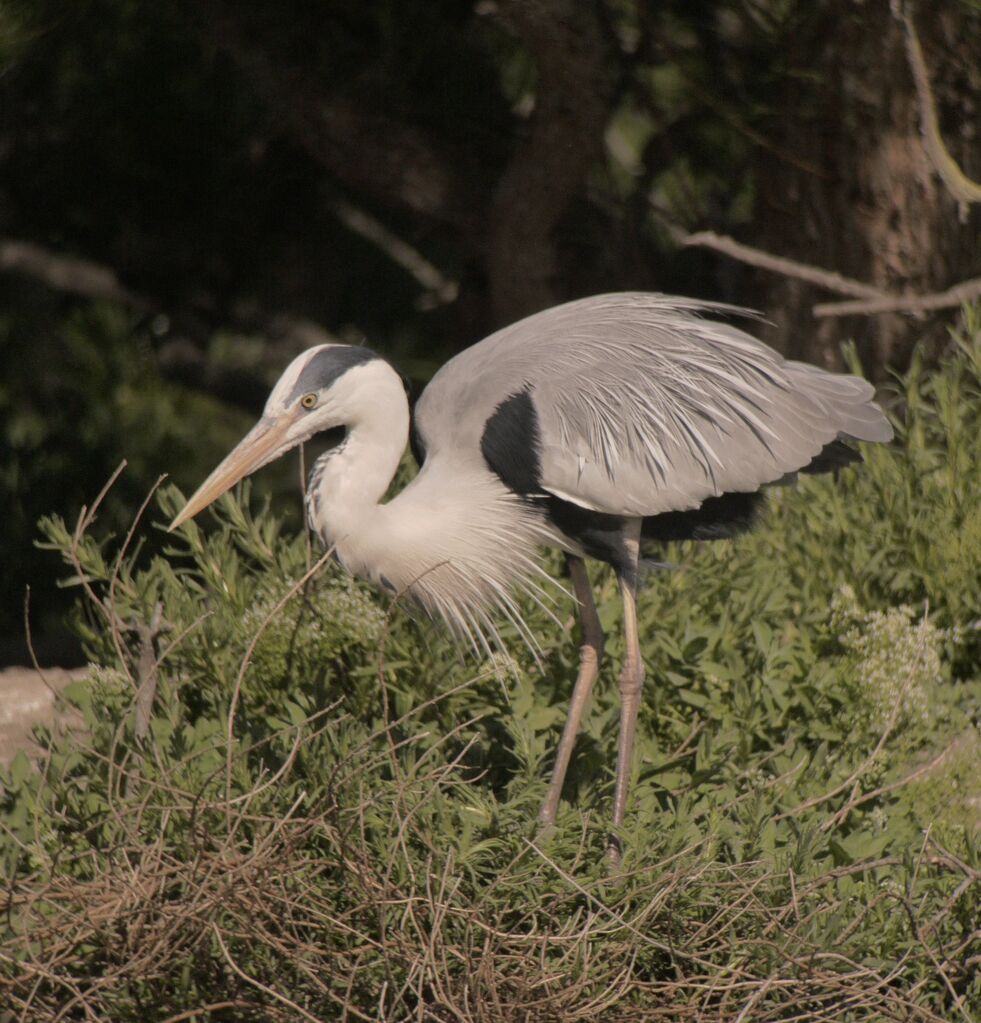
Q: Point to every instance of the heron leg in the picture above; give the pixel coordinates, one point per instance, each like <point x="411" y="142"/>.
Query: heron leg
<point x="631" y="681"/>
<point x="590" y="655"/>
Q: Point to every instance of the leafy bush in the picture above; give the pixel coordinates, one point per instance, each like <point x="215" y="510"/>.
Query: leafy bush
<point x="329" y="814"/>
<point x="86" y="396"/>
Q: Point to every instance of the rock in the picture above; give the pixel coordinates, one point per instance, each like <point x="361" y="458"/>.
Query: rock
<point x="27" y="698"/>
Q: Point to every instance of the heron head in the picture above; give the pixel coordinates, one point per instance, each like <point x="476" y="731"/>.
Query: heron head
<point x="320" y="389"/>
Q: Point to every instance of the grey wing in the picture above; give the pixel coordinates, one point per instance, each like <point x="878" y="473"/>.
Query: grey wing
<point x="643" y="406"/>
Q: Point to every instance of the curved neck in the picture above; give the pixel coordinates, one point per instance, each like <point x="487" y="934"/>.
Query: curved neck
<point x="348" y="482"/>
<point x="455" y="537"/>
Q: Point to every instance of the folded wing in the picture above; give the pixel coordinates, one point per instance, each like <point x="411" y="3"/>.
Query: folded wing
<point x="640" y="405"/>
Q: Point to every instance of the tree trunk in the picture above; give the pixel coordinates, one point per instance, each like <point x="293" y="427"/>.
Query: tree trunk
<point x="873" y="207"/>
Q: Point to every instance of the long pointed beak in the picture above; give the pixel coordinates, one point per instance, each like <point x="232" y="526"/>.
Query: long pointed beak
<point x="260" y="445"/>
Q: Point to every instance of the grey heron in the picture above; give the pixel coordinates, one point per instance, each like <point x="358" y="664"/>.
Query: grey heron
<point x="598" y="427"/>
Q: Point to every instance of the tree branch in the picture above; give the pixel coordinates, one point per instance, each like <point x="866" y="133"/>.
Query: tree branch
<point x="146" y="667"/>
<point x="960" y="186"/>
<point x="966" y="291"/>
<point x="872" y="300"/>
<point x="778" y="264"/>
<point x="438" y="288"/>
<point x="67" y="273"/>
<point x="375" y="154"/>
<point x="179" y="358"/>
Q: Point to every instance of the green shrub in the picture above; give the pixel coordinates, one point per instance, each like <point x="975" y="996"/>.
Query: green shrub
<point x="329" y="813"/>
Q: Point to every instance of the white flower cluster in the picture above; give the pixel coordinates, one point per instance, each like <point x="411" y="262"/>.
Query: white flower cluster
<point x="894" y="660"/>
<point x="342" y="609"/>
<point x="350" y="607"/>
<point x="107" y="683"/>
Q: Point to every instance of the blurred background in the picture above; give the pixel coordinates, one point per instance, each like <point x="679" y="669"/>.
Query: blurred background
<point x="193" y="192"/>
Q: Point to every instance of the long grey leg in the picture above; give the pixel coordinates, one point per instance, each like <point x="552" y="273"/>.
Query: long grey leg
<point x="631" y="679"/>
<point x="590" y="655"/>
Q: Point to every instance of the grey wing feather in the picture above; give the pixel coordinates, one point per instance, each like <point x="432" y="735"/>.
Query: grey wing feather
<point x="645" y="406"/>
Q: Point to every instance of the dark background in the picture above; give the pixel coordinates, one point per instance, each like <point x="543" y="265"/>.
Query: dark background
<point x="191" y="193"/>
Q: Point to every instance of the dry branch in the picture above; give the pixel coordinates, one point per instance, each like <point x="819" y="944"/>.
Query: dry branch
<point x="282" y="901"/>
<point x="67" y="273"/>
<point x="871" y="299"/>
<point x="778" y="264"/>
<point x="146" y="667"/>
<point x="439" y="288"/>
<point x="966" y="291"/>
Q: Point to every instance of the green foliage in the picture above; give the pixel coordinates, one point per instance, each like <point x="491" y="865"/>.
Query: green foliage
<point x="205" y="156"/>
<point x="87" y="397"/>
<point x="331" y="811"/>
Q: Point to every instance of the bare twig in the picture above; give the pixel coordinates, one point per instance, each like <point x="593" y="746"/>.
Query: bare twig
<point x="202" y="1010"/>
<point x="778" y="264"/>
<point x="866" y="764"/>
<point x="67" y="273"/>
<point x="439" y="289"/>
<point x="272" y="992"/>
<point x="146" y="667"/>
<point x="30" y="643"/>
<point x="882" y="790"/>
<point x="247" y="660"/>
<point x="966" y="291"/>
<point x="86" y="517"/>
<point x="146" y="683"/>
<point x="869" y="299"/>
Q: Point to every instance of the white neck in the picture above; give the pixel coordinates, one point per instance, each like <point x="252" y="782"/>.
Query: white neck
<point x="455" y="538"/>
<point x="348" y="483"/>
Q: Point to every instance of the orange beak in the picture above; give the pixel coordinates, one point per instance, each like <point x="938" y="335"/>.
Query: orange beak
<point x="260" y="445"/>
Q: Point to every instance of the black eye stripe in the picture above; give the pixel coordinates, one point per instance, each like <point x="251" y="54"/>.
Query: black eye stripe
<point x="327" y="365"/>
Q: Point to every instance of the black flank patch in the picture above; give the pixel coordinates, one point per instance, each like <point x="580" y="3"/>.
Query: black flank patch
<point x="329" y="364"/>
<point x="511" y="444"/>
<point x="600" y="535"/>
<point x="835" y="455"/>
<point x="716" y="518"/>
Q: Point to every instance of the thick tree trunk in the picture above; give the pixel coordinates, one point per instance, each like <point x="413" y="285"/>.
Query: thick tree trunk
<point x="573" y="102"/>
<point x="873" y="208"/>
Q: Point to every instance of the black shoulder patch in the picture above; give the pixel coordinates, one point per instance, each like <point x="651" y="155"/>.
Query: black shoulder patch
<point x="511" y="444"/>
<point x="329" y="364"/>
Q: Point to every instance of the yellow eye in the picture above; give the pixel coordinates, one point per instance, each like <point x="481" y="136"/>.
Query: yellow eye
<point x="308" y="400"/>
